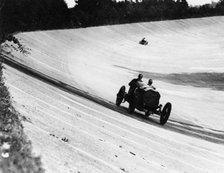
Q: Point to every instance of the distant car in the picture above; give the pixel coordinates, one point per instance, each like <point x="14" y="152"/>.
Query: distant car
<point x="143" y="42"/>
<point x="146" y="101"/>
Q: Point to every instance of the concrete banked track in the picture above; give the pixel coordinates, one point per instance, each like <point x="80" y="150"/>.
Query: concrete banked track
<point x="62" y="65"/>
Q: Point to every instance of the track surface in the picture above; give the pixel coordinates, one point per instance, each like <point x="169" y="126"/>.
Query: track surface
<point x="110" y="140"/>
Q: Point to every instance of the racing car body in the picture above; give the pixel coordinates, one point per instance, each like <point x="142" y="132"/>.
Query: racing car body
<point x="146" y="101"/>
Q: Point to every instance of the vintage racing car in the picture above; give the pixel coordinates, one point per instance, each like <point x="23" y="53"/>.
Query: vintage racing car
<point x="146" y="101"/>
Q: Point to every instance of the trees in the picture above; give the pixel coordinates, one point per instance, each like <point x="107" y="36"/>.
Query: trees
<point x="93" y="12"/>
<point x="2" y="3"/>
<point x="220" y="7"/>
<point x="99" y="12"/>
<point x="26" y="15"/>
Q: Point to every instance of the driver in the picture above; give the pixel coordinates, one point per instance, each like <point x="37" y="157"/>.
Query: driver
<point x="143" y="89"/>
<point x="137" y="82"/>
<point x="149" y="86"/>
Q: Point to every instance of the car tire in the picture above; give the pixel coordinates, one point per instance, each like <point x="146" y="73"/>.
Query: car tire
<point x="165" y="113"/>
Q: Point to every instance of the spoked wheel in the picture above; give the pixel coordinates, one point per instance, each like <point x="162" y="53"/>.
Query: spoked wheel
<point x="165" y="113"/>
<point x="120" y="96"/>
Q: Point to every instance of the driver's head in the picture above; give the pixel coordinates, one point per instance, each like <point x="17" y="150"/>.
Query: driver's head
<point x="150" y="82"/>
<point x="140" y="76"/>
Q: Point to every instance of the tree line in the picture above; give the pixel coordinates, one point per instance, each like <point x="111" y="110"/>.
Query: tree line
<point x="103" y="12"/>
<point x="30" y="15"/>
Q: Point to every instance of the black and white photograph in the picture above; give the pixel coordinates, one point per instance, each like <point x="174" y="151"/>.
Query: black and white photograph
<point x="111" y="86"/>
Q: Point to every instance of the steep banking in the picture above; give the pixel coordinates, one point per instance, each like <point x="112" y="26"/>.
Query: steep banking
<point x="89" y="59"/>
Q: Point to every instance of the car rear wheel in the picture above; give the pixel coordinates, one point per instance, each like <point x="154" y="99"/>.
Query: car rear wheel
<point x="165" y="113"/>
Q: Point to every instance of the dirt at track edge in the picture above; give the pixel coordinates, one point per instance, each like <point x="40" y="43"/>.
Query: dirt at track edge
<point x="15" y="148"/>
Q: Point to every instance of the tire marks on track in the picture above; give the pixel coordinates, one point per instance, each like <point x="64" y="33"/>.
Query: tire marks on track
<point x="202" y="134"/>
<point x="168" y="156"/>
